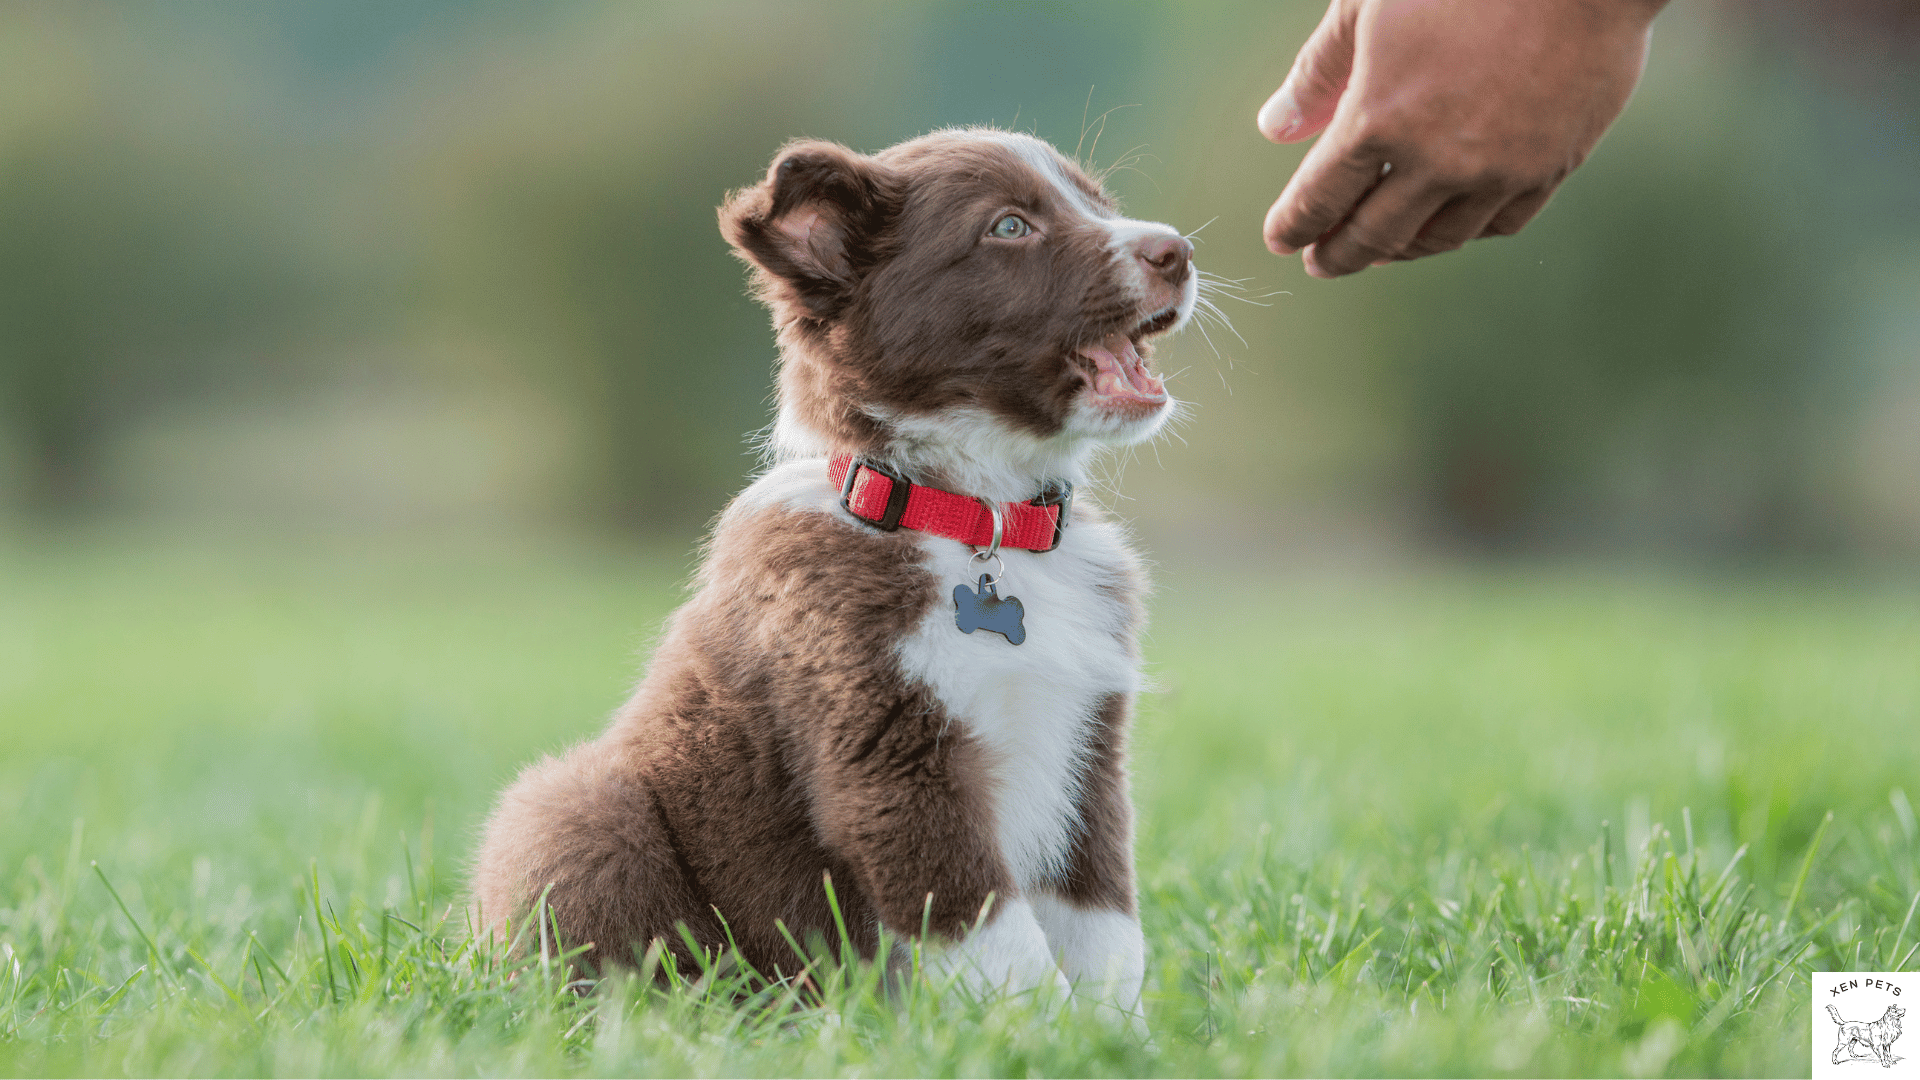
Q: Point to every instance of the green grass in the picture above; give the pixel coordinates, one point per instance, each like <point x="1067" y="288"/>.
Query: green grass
<point x="1532" y="822"/>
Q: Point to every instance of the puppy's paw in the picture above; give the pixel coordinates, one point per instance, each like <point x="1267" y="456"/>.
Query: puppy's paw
<point x="1008" y="955"/>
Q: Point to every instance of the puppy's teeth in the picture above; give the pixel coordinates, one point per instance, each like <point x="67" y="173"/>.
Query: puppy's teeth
<point x="1120" y="372"/>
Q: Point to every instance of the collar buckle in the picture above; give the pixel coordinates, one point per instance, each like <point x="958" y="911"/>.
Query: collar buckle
<point x="889" y="520"/>
<point x="1058" y="493"/>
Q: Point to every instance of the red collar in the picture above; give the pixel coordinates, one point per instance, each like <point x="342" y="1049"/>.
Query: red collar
<point x="889" y="501"/>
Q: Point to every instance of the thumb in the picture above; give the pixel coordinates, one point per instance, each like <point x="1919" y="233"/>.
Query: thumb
<point x="1304" y="103"/>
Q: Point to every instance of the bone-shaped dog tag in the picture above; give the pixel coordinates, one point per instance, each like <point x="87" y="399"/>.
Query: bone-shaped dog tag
<point x="984" y="610"/>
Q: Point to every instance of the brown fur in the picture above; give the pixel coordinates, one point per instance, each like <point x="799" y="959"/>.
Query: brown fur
<point x="773" y="744"/>
<point x="1100" y="867"/>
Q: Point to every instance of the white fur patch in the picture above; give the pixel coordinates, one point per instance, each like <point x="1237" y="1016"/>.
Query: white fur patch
<point x="1043" y="160"/>
<point x="792" y="438"/>
<point x="1090" y="421"/>
<point x="1032" y="704"/>
<point x="983" y="455"/>
<point x="1008" y="954"/>
<point x="793" y="485"/>
<point x="1101" y="952"/>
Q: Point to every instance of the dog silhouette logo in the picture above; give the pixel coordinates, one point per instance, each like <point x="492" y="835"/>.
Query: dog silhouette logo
<point x="1861" y="1040"/>
<point x="1861" y="1021"/>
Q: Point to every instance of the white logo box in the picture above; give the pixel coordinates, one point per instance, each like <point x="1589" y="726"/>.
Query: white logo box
<point x="1873" y="1035"/>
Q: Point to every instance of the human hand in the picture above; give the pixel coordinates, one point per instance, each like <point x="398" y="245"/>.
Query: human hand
<point x="1445" y="120"/>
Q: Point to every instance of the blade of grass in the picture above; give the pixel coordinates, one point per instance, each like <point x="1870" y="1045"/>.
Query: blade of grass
<point x="320" y="926"/>
<point x="1806" y="866"/>
<point x="1904" y="923"/>
<point x="159" y="960"/>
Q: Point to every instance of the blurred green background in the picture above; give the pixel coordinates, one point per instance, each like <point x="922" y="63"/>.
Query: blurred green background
<point x="370" y="368"/>
<point x="440" y="265"/>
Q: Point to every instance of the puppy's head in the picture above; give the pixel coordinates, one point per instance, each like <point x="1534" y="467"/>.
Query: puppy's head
<point x="969" y="305"/>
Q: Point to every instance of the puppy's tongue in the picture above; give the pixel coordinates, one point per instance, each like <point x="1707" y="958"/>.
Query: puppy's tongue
<point x="1120" y="374"/>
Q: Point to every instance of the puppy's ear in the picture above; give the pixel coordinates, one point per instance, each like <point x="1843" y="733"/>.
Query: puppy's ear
<point x="811" y="227"/>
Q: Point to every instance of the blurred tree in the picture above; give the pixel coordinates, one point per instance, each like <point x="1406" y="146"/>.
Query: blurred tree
<point x="1656" y="378"/>
<point x="126" y="279"/>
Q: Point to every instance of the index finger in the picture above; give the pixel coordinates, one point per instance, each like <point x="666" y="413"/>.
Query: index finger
<point x="1329" y="183"/>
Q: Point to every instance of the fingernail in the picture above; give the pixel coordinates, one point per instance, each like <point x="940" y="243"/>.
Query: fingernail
<point x="1279" y="117"/>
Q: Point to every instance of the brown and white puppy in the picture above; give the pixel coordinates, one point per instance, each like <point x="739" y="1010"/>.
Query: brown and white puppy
<point x="968" y="309"/>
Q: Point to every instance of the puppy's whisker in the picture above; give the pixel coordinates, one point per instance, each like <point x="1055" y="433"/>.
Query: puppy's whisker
<point x="1232" y="288"/>
<point x="1204" y="308"/>
<point x="1094" y="150"/>
<point x="1253" y="301"/>
<point x="1200" y="325"/>
<point x="1214" y="311"/>
<point x="1196" y="233"/>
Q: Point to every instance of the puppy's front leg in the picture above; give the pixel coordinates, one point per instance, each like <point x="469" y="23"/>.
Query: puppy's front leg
<point x="1101" y="951"/>
<point x="1008" y="953"/>
<point x="1089" y="916"/>
<point x="902" y="796"/>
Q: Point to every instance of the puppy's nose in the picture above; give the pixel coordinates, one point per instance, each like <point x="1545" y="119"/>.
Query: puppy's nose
<point x="1168" y="256"/>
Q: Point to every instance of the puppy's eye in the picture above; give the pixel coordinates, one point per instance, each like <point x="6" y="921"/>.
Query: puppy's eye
<point x="1011" y="227"/>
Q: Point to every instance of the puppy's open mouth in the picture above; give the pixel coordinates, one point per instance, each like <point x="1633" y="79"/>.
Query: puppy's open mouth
<point x="1157" y="323"/>
<point x="1117" y="374"/>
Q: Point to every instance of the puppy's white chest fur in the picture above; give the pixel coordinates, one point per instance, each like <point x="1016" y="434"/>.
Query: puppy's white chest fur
<point x="1033" y="704"/>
